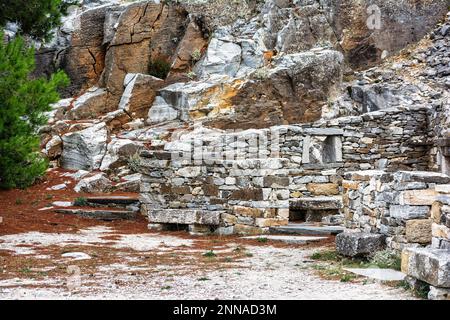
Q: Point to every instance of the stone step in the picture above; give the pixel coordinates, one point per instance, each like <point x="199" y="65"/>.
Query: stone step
<point x="287" y="239"/>
<point x="307" y="229"/>
<point x="113" y="200"/>
<point x="316" y="203"/>
<point x="101" y="214"/>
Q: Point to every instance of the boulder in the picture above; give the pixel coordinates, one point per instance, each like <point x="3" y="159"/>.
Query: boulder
<point x="84" y="149"/>
<point x="90" y="105"/>
<point x="223" y="57"/>
<point x="438" y="293"/>
<point x="53" y="149"/>
<point x="161" y="112"/>
<point x="139" y="94"/>
<point x="130" y="183"/>
<point x="118" y="153"/>
<point x="429" y="265"/>
<point x="116" y="120"/>
<point x="359" y="244"/>
<point x="95" y="184"/>
<point x="294" y="91"/>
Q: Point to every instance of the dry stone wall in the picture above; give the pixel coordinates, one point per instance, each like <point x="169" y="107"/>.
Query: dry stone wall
<point x="253" y="178"/>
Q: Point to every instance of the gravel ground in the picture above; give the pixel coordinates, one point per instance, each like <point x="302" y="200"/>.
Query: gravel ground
<point x="263" y="272"/>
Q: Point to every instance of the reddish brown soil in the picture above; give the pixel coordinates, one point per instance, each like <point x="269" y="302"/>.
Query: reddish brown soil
<point x="20" y="209"/>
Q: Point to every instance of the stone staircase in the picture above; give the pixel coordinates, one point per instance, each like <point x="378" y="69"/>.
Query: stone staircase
<point x="105" y="208"/>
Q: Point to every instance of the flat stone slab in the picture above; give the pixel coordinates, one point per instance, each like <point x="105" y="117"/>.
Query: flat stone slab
<point x="185" y="216"/>
<point x="354" y="244"/>
<point x="116" y="200"/>
<point x="378" y="274"/>
<point x="100" y="214"/>
<point x="288" y="239"/>
<point x="306" y="229"/>
<point x="316" y="203"/>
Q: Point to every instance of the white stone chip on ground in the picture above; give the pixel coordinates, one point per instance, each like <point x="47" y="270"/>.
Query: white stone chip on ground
<point x="378" y="274"/>
<point x="62" y="204"/>
<point x="76" y="255"/>
<point x="58" y="187"/>
<point x="288" y="239"/>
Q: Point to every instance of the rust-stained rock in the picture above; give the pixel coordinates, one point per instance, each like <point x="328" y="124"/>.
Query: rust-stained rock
<point x="419" y="231"/>
<point x="139" y="94"/>
<point x="145" y="32"/>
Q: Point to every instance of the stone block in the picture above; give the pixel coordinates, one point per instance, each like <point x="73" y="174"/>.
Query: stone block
<point x="436" y="212"/>
<point x="249" y="230"/>
<point x="248" y="212"/>
<point x="184" y="216"/>
<point x="323" y="189"/>
<point x="419" y="231"/>
<point x="425" y="197"/>
<point x="199" y="230"/>
<point x="429" y="265"/>
<point x="438" y="293"/>
<point x="359" y="243"/>
<point x="276" y="182"/>
<point x="406" y="212"/>
<point x="440" y="231"/>
<point x="262" y="223"/>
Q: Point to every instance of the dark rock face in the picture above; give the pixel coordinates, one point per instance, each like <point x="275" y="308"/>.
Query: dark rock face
<point x="401" y="23"/>
<point x="359" y="244"/>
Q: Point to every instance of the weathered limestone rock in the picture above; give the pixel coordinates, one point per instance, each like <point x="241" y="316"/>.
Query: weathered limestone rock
<point x="191" y="45"/>
<point x="359" y="243"/>
<point x="409" y="212"/>
<point x="419" y="197"/>
<point x="145" y="33"/>
<point x="323" y="189"/>
<point x="293" y="92"/>
<point x="372" y="29"/>
<point x="185" y="216"/>
<point x="84" y="149"/>
<point x="438" y="293"/>
<point x="222" y="57"/>
<point x="116" y="120"/>
<point x="130" y="183"/>
<point x="95" y="184"/>
<point x="139" y="94"/>
<point x="429" y="265"/>
<point x="118" y="153"/>
<point x="53" y="149"/>
<point x="161" y="112"/>
<point x="419" y="231"/>
<point x="84" y="59"/>
<point x="90" y="105"/>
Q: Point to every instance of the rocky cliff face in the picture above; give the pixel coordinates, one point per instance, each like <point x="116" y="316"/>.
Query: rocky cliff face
<point x="144" y="72"/>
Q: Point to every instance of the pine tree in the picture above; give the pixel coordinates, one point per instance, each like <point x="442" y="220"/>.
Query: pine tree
<point x="23" y="102"/>
<point x="36" y="18"/>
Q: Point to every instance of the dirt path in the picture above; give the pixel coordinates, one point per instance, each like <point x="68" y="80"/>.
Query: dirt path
<point x="166" y="266"/>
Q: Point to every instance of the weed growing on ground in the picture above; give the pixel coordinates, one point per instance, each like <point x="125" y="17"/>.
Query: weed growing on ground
<point x="210" y="254"/>
<point x="80" y="202"/>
